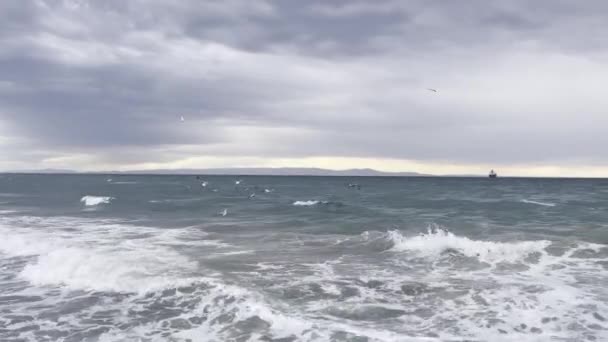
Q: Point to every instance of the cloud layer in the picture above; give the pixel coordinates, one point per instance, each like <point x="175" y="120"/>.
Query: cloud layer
<point x="103" y="84"/>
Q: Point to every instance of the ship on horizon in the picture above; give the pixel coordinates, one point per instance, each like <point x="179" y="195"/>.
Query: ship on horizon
<point x="492" y="174"/>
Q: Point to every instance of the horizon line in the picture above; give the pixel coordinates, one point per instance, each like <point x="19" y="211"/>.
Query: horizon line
<point x="381" y="174"/>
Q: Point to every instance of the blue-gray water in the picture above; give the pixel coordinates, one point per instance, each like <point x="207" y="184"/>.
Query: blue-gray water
<point x="154" y="258"/>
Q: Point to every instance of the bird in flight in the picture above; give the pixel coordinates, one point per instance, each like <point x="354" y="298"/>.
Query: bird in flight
<point x="431" y="89"/>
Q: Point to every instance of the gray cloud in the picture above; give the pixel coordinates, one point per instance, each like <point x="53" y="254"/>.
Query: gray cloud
<point x="519" y="82"/>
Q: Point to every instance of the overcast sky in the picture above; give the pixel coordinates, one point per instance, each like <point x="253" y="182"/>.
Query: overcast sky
<point x="522" y="86"/>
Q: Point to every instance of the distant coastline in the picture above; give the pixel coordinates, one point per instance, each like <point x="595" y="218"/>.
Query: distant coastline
<point x="286" y="171"/>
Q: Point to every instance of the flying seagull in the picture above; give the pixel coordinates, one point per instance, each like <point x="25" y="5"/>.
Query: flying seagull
<point x="431" y="89"/>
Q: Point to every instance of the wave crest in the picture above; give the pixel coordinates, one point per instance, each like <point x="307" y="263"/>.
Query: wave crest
<point x="82" y="269"/>
<point x="305" y="203"/>
<point x="436" y="241"/>
<point x="100" y="256"/>
<point x="544" y="204"/>
<point x="90" y="201"/>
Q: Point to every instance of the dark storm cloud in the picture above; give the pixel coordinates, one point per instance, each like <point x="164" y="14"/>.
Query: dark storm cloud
<point x="297" y="79"/>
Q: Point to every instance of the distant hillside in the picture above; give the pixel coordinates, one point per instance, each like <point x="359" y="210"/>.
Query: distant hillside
<point x="49" y="171"/>
<point x="286" y="171"/>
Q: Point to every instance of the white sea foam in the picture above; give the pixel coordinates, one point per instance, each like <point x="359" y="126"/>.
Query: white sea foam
<point x="262" y="266"/>
<point x="113" y="256"/>
<point x="305" y="203"/>
<point x="120" y="270"/>
<point x="96" y="200"/>
<point x="234" y="253"/>
<point x="227" y="308"/>
<point x="543" y="301"/>
<point x="24" y="244"/>
<point x="213" y="243"/>
<point x="243" y="304"/>
<point x="545" y="204"/>
<point x="7" y="211"/>
<point x="100" y="255"/>
<point x="436" y="241"/>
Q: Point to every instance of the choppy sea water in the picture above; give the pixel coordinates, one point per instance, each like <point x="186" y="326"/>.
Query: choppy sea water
<point x="175" y="258"/>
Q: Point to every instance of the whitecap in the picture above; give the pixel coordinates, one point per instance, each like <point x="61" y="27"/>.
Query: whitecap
<point x="96" y="200"/>
<point x="545" y="204"/>
<point x="305" y="203"/>
<point x="436" y="241"/>
<point x="243" y="305"/>
<point x="106" y="270"/>
<point x="7" y="211"/>
<point x="111" y="256"/>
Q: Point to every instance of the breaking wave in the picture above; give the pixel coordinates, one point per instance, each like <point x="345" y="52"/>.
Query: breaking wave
<point x="109" y="257"/>
<point x="437" y="241"/>
<point x="305" y="203"/>
<point x="222" y="312"/>
<point x="122" y="271"/>
<point x="144" y="272"/>
<point x="90" y="201"/>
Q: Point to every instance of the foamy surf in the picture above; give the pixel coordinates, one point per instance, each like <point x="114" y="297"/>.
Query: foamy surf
<point x="105" y="259"/>
<point x="361" y="267"/>
<point x="437" y="241"/>
<point x="91" y="201"/>
<point x="116" y="270"/>
<point x="222" y="312"/>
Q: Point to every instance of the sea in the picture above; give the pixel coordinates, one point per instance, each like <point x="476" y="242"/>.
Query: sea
<point x="285" y="258"/>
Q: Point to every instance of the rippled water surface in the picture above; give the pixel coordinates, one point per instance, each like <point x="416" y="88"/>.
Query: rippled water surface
<point x="176" y="258"/>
